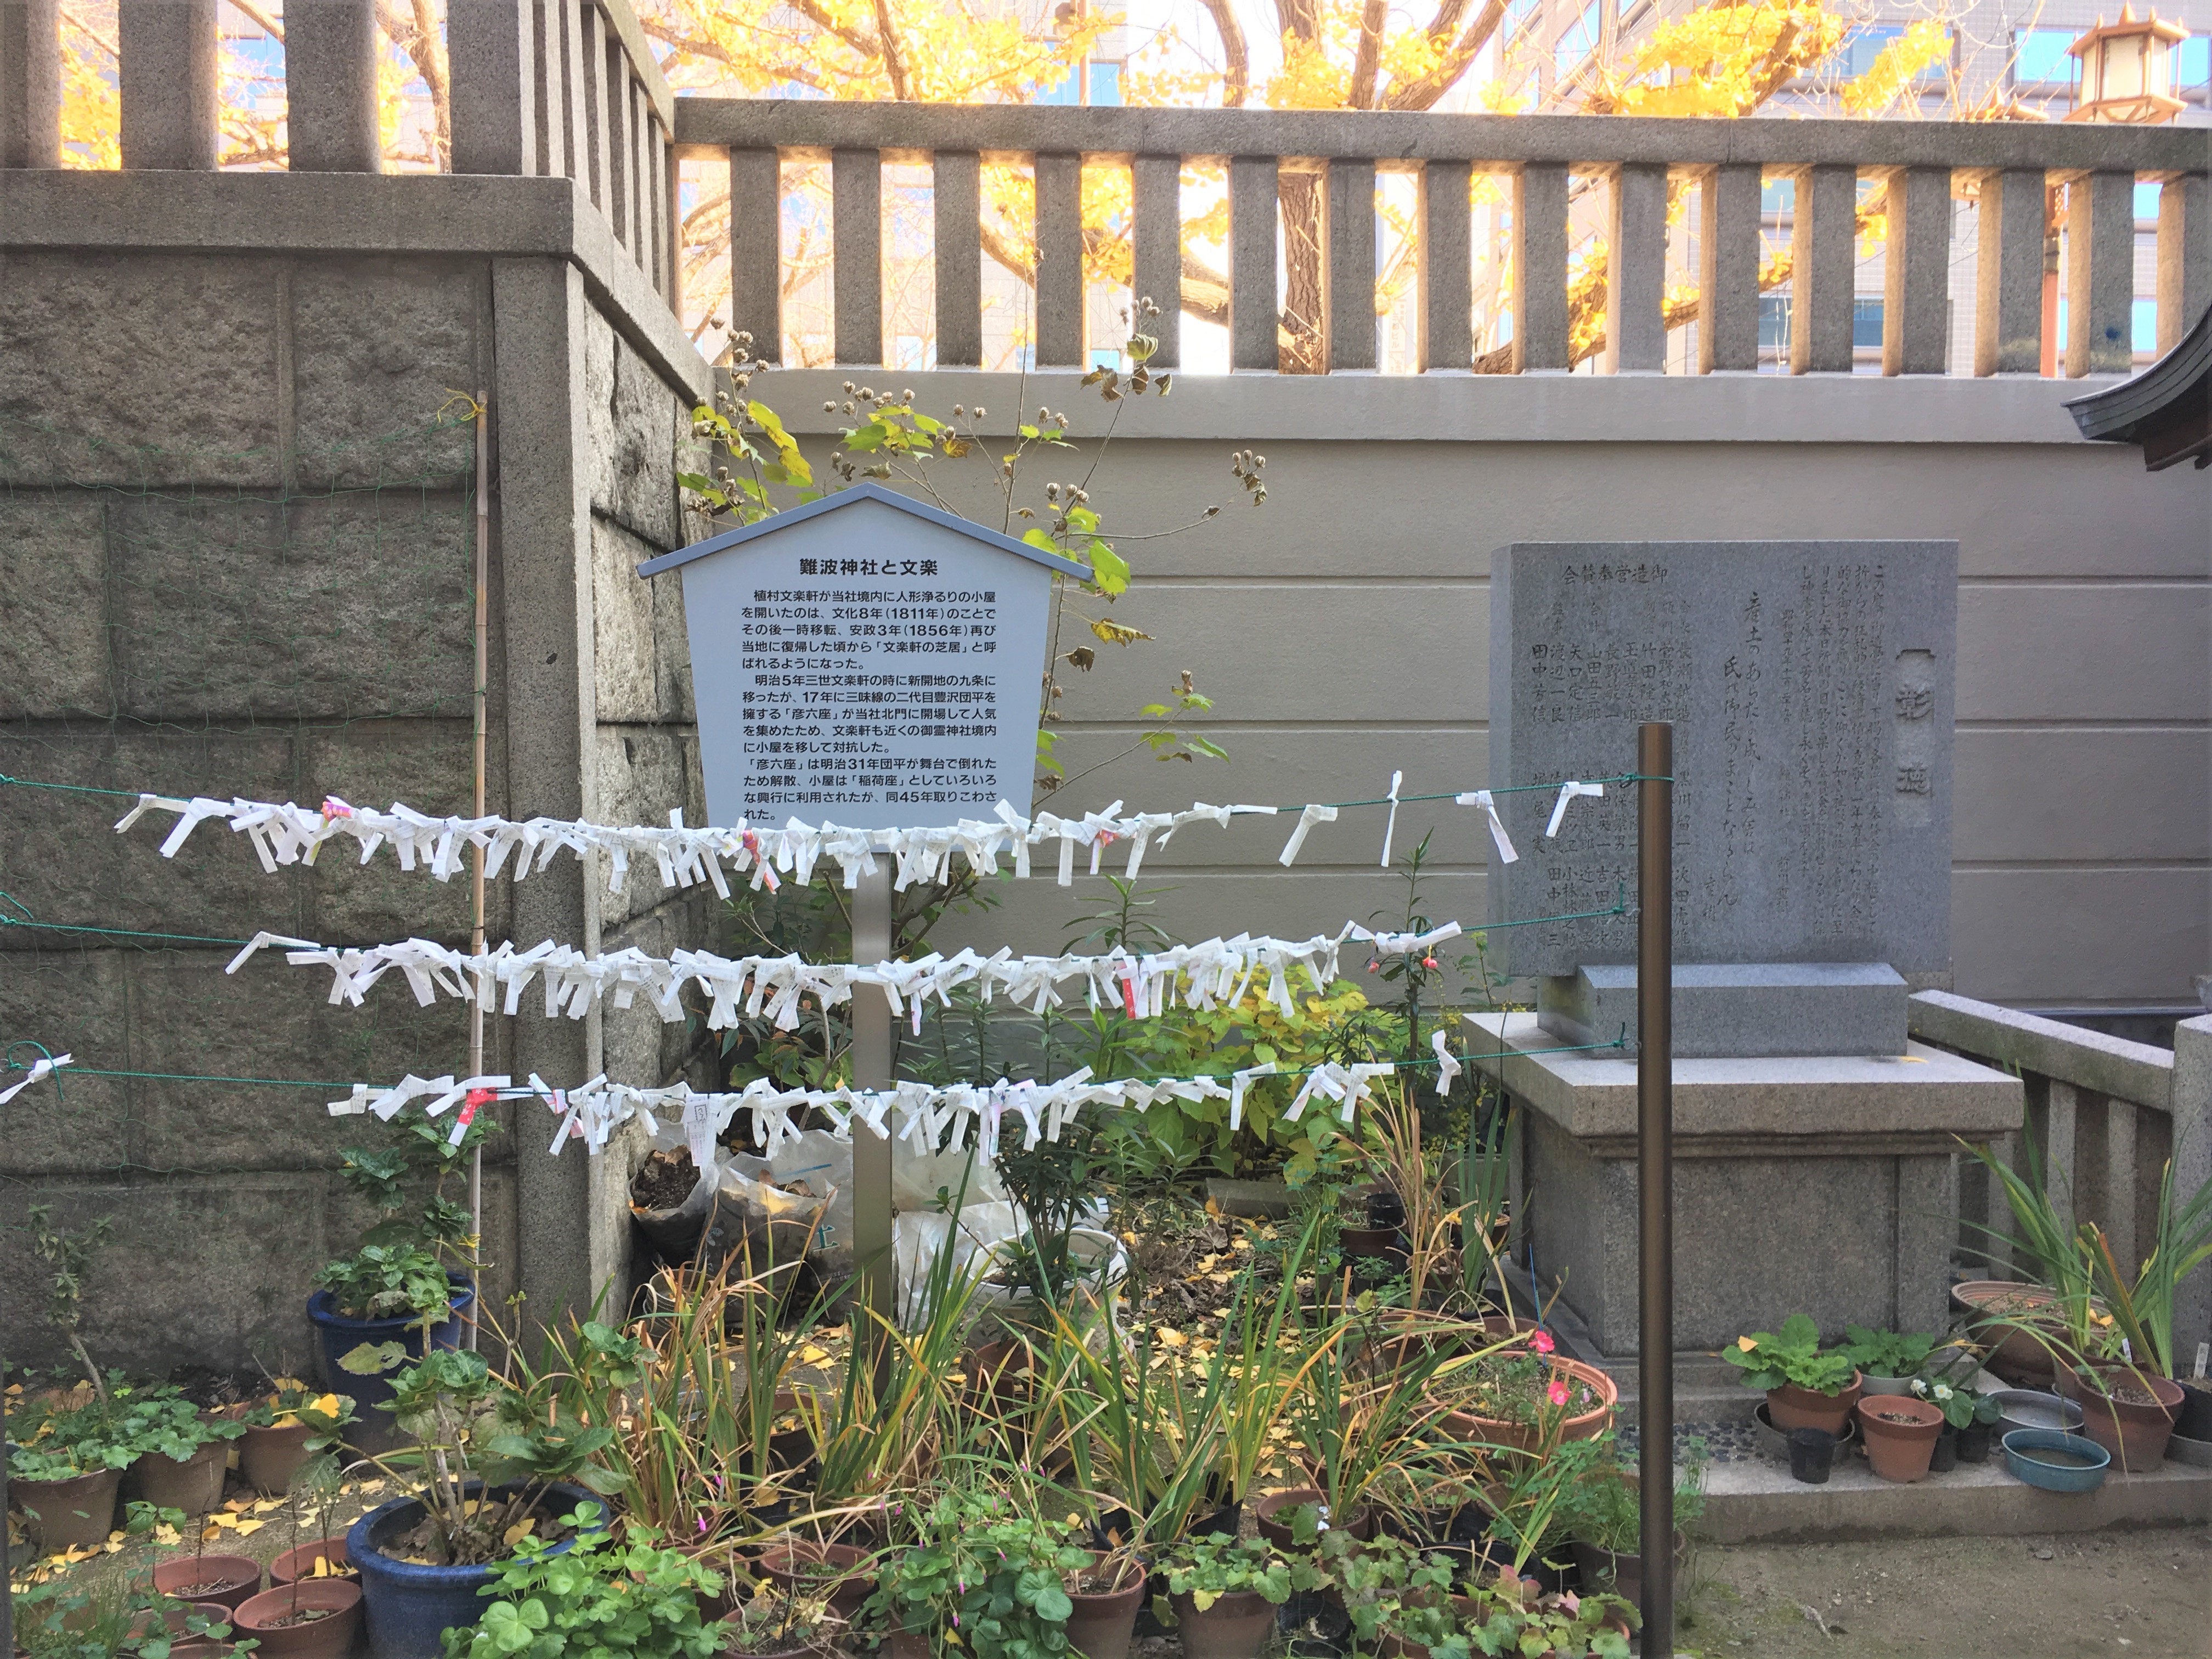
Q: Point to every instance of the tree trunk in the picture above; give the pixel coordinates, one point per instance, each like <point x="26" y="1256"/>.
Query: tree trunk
<point x="1304" y="324"/>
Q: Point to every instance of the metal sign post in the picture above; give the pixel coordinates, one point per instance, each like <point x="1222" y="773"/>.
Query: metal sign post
<point x="1654" y="1171"/>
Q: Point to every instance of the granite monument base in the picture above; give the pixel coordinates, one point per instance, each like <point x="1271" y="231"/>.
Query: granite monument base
<point x="1740" y="1008"/>
<point x="1825" y="1186"/>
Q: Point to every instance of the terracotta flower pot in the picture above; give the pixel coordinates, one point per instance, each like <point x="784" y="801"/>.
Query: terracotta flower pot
<point x="1237" y="1626"/>
<point x="1586" y="1425"/>
<point x="2018" y="1357"/>
<point x="800" y="1565"/>
<point x="1360" y="1524"/>
<point x="2134" y="1431"/>
<point x="268" y="1458"/>
<point x="74" y="1514"/>
<point x="1899" y="1450"/>
<point x="1792" y="1407"/>
<point x="338" y="1600"/>
<point x="1621" y="1575"/>
<point x="301" y="1563"/>
<point x="1105" y="1622"/>
<point x="910" y="1644"/>
<point x="193" y="1485"/>
<point x="229" y="1579"/>
<point x="185" y="1645"/>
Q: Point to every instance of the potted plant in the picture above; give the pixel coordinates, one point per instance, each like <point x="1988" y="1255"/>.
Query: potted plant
<point x="183" y="1451"/>
<point x="975" y="1564"/>
<point x="56" y="1620"/>
<point x="403" y="1291"/>
<point x="779" y="1625"/>
<point x="1900" y="1431"/>
<point x="1806" y="1388"/>
<point x="1968" y="1419"/>
<point x="1225" y="1592"/>
<point x="1106" y="1592"/>
<point x="1888" y="1361"/>
<point x="605" y="1596"/>
<point x="492" y="1466"/>
<point x="283" y="1429"/>
<point x="1513" y="1617"/>
<point x="1520" y="1394"/>
<point x="1599" y="1508"/>
<point x="64" y="1473"/>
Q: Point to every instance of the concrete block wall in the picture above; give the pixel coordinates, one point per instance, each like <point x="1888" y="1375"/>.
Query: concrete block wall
<point x="239" y="563"/>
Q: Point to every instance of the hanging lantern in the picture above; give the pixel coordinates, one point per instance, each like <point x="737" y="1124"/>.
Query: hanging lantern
<point x="2127" y="73"/>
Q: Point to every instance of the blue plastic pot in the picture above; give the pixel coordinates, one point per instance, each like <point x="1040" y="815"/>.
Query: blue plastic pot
<point x="2021" y="1445"/>
<point x="339" y="1336"/>
<point x="408" y="1608"/>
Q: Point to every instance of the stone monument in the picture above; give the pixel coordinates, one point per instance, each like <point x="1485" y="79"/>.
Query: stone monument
<point x="1810" y="684"/>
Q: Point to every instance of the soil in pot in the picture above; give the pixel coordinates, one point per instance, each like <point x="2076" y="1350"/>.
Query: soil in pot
<point x="1792" y="1407"/>
<point x="2018" y="1357"/>
<point x="268" y="1458"/>
<point x="229" y="1579"/>
<point x="315" y="1619"/>
<point x="1899" y="1434"/>
<point x="1272" y="1514"/>
<point x="74" y="1514"/>
<point x="193" y="1485"/>
<point x="1237" y="1626"/>
<point x="2130" y="1414"/>
<point x="1104" y="1621"/>
<point x="1588" y="1413"/>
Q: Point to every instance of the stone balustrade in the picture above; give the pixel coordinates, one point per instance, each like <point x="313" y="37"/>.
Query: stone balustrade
<point x="2108" y="1114"/>
<point x="564" y="89"/>
<point x="2007" y="167"/>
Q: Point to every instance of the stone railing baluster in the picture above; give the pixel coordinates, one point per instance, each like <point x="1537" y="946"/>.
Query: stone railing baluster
<point x="1350" y="218"/>
<point x="856" y="264"/>
<point x="598" y="108"/>
<point x="30" y="83"/>
<point x="1445" y="269"/>
<point x="957" y="211"/>
<point x="2008" y="274"/>
<point x="1253" y="301"/>
<point x="1728" y="260"/>
<point x="2100" y="274"/>
<point x="1916" y="302"/>
<point x="167" y="83"/>
<point x="1540" y="269"/>
<point x="330" y="88"/>
<point x="1156" y="183"/>
<point x="492" y="55"/>
<point x="1823" y="238"/>
<point x="2185" y="258"/>
<point x="757" y="251"/>
<point x="1058" y="179"/>
<point x="1636" y="271"/>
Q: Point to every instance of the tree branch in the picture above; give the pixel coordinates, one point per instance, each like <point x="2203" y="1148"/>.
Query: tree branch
<point x="895" y="65"/>
<point x="1373" y="18"/>
<point x="1236" y="55"/>
<point x="1422" y="93"/>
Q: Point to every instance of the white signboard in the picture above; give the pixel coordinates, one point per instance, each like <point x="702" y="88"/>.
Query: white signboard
<point x="866" y="661"/>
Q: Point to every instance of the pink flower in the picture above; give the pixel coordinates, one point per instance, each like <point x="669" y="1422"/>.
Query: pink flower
<point x="1541" y="1341"/>
<point x="1557" y="1393"/>
<point x="1428" y="962"/>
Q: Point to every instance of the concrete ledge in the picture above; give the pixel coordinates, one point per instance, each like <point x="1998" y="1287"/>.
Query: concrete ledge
<point x="354" y="213"/>
<point x="1646" y="409"/>
<point x="1758" y="1502"/>
<point x="1923" y="1093"/>
<point x="2089" y="1059"/>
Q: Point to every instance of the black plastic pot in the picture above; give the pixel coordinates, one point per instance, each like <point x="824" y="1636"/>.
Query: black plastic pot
<point x="1812" y="1454"/>
<point x="2194" y="1420"/>
<point x="1973" y="1442"/>
<point x="1945" y="1457"/>
<point x="1224" y="1523"/>
<point x="1386" y="1210"/>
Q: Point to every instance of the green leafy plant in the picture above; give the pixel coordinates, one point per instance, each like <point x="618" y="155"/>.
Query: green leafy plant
<point x="1790" y="1357"/>
<point x="1885" y="1354"/>
<point x="2181" y="1243"/>
<point x="1962" y="1407"/>
<point x="401" y="1265"/>
<point x="603" y="1596"/>
<point x="1514" y="1618"/>
<point x="983" y="1574"/>
<point x="383" y="1281"/>
<point x="162" y="1422"/>
<point x="291" y="1404"/>
<point x="1210" y="1566"/>
<point x="69" y="1255"/>
<point x="59" y="1620"/>
<point x="1597" y="1496"/>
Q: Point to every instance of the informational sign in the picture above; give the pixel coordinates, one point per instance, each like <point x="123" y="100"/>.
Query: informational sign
<point x="866" y="661"/>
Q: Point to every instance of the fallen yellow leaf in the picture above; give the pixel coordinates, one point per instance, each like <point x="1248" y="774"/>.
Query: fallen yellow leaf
<point x="209" y="1533"/>
<point x="1172" y="1338"/>
<point x="167" y="1535"/>
<point x="513" y="1535"/>
<point x="239" y="1505"/>
<point x="222" y="1519"/>
<point x="327" y="1405"/>
<point x="247" y="1527"/>
<point x="1746" y="1344"/>
<point x="813" y="1354"/>
<point x="322" y="1567"/>
<point x="267" y="1504"/>
<point x="112" y="1545"/>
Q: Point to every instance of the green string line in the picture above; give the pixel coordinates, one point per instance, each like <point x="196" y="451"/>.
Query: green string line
<point x="28" y="920"/>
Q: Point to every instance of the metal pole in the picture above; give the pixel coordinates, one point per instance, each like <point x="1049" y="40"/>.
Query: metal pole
<point x="476" y="853"/>
<point x="871" y="1069"/>
<point x="1655" y="1169"/>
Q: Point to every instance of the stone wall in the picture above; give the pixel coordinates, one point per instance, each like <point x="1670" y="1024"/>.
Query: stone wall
<point x="239" y="563"/>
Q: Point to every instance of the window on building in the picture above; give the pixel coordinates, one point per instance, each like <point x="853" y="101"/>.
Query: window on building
<point x="2192" y="64"/>
<point x="1518" y="15"/>
<point x="1105" y="83"/>
<point x="2146" y="202"/>
<point x="1774" y="323"/>
<point x="1777" y="196"/>
<point x="1866" y="325"/>
<point x="1578" y="39"/>
<point x="2143" y="326"/>
<point x="2040" y="55"/>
